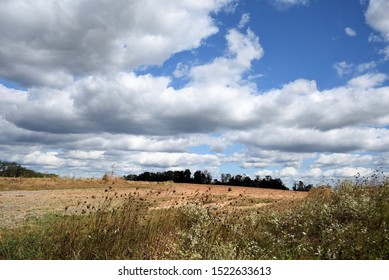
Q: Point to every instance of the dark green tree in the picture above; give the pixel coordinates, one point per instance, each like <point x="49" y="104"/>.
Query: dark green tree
<point x="13" y="169"/>
<point x="301" y="187"/>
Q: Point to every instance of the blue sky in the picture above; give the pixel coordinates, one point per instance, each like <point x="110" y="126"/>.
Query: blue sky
<point x="296" y="89"/>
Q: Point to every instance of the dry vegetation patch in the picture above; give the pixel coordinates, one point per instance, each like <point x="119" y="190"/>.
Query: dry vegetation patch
<point x="22" y="198"/>
<point x="133" y="220"/>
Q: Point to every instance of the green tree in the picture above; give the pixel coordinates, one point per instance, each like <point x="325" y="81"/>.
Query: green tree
<point x="300" y="186"/>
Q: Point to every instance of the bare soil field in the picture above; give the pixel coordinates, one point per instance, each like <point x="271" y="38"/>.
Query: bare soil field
<point x="24" y="199"/>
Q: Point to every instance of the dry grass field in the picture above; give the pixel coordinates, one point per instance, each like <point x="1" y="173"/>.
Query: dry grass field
<point x="25" y="198"/>
<point x="117" y="219"/>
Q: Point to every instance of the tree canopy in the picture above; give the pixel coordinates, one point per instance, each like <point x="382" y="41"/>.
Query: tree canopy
<point x="13" y="169"/>
<point x="205" y="177"/>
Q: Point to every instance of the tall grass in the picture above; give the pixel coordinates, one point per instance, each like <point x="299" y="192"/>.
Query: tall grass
<point x="350" y="221"/>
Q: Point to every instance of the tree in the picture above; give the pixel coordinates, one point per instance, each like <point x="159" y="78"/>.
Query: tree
<point x="225" y="178"/>
<point x="247" y="181"/>
<point x="187" y="176"/>
<point x="13" y="169"/>
<point x="270" y="183"/>
<point x="300" y="186"/>
<point x="202" y="177"/>
<point x="178" y="177"/>
<point x="197" y="177"/>
<point x="131" y="177"/>
<point x="207" y="177"/>
<point x="145" y="176"/>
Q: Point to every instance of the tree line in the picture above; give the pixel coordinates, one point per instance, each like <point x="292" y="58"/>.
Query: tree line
<point x="205" y="177"/>
<point x="13" y="169"/>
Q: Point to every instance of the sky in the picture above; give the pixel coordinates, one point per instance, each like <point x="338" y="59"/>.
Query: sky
<point x="294" y="89"/>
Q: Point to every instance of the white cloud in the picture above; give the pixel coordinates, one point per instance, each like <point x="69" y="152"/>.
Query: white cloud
<point x="10" y="98"/>
<point x="368" y="80"/>
<point x="385" y="52"/>
<point x="43" y="158"/>
<point x="289" y="175"/>
<point x="95" y="162"/>
<point x="242" y="48"/>
<point x="297" y="117"/>
<point x="168" y="160"/>
<point x="313" y="173"/>
<point x="182" y="70"/>
<point x="325" y="169"/>
<point x="259" y="158"/>
<point x="281" y="127"/>
<point x="266" y="172"/>
<point x="347" y="172"/>
<point x="244" y="20"/>
<point x="343" y="68"/>
<point x="50" y="43"/>
<point x="350" y="32"/>
<point x="343" y="160"/>
<point x="79" y="154"/>
<point x="366" y="67"/>
<point x="292" y="2"/>
<point x="101" y="112"/>
<point x="289" y="172"/>
<point x="376" y="16"/>
<point x="289" y="3"/>
<point x="374" y="38"/>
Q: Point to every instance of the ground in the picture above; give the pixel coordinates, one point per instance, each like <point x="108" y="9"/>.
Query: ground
<point x="23" y="199"/>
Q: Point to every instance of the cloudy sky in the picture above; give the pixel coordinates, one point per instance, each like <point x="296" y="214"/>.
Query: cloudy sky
<point x="296" y="89"/>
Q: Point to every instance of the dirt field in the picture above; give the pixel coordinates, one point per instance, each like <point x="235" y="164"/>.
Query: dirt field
<point x="22" y="199"/>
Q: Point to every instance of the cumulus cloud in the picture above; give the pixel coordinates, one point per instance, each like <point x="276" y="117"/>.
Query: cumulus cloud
<point x="296" y="117"/>
<point x="350" y="32"/>
<point x="376" y="17"/>
<point x="50" y="43"/>
<point x="311" y="140"/>
<point x="87" y="108"/>
<point x="342" y="160"/>
<point x="258" y="158"/>
<point x="93" y="163"/>
<point x="147" y="105"/>
<point x="325" y="169"/>
<point x="347" y="172"/>
<point x="242" y="50"/>
<point x="368" y="80"/>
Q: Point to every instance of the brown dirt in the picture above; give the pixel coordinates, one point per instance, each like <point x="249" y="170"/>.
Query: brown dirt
<point x="22" y="199"/>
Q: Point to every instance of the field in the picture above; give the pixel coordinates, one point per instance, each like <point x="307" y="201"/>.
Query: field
<point x="117" y="219"/>
<point x="23" y="199"/>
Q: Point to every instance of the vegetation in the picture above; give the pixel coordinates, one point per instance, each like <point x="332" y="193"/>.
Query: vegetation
<point x="204" y="177"/>
<point x="349" y="221"/>
<point x="301" y="187"/>
<point x="55" y="183"/>
<point x="13" y="169"/>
